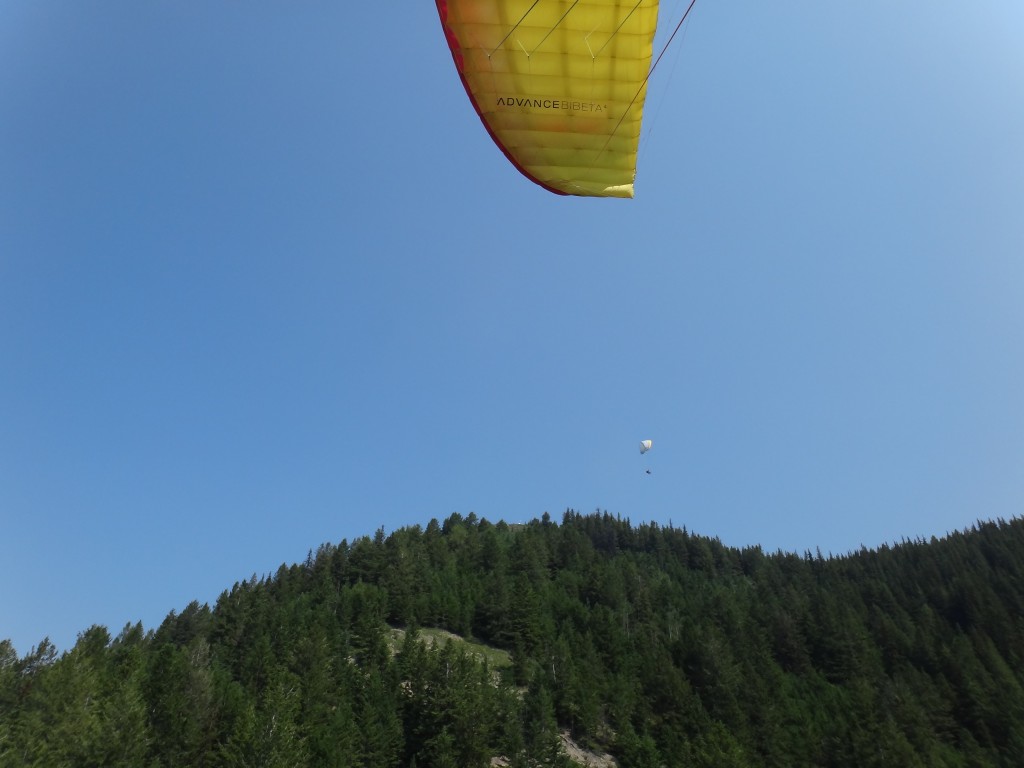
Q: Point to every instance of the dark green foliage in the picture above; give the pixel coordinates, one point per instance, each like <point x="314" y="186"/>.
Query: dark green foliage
<point x="662" y="647"/>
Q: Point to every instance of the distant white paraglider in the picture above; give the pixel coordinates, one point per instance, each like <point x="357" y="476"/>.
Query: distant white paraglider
<point x="645" y="446"/>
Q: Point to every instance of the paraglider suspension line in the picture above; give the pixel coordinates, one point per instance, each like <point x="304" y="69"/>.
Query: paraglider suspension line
<point x="613" y="34"/>
<point x="649" y="73"/>
<point x="506" y="37"/>
<point x="554" y="27"/>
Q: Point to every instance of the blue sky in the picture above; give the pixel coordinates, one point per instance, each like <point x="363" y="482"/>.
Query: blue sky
<point x="265" y="282"/>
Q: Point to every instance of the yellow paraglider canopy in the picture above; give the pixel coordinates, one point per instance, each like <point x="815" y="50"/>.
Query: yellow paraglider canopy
<point x="559" y="84"/>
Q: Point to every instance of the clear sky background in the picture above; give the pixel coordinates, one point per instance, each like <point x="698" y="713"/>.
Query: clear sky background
<point x="265" y="282"/>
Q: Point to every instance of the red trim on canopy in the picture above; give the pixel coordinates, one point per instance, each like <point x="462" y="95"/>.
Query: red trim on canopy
<point x="456" y="49"/>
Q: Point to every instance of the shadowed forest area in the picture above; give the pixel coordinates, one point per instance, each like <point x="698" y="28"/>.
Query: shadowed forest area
<point x="468" y="643"/>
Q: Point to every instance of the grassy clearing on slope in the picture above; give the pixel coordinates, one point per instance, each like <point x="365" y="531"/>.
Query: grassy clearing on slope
<point x="433" y="636"/>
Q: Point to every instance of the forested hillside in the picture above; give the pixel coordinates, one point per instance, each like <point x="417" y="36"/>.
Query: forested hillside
<point x="662" y="647"/>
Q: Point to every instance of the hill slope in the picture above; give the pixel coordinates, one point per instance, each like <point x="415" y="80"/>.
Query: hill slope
<point x="654" y="644"/>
